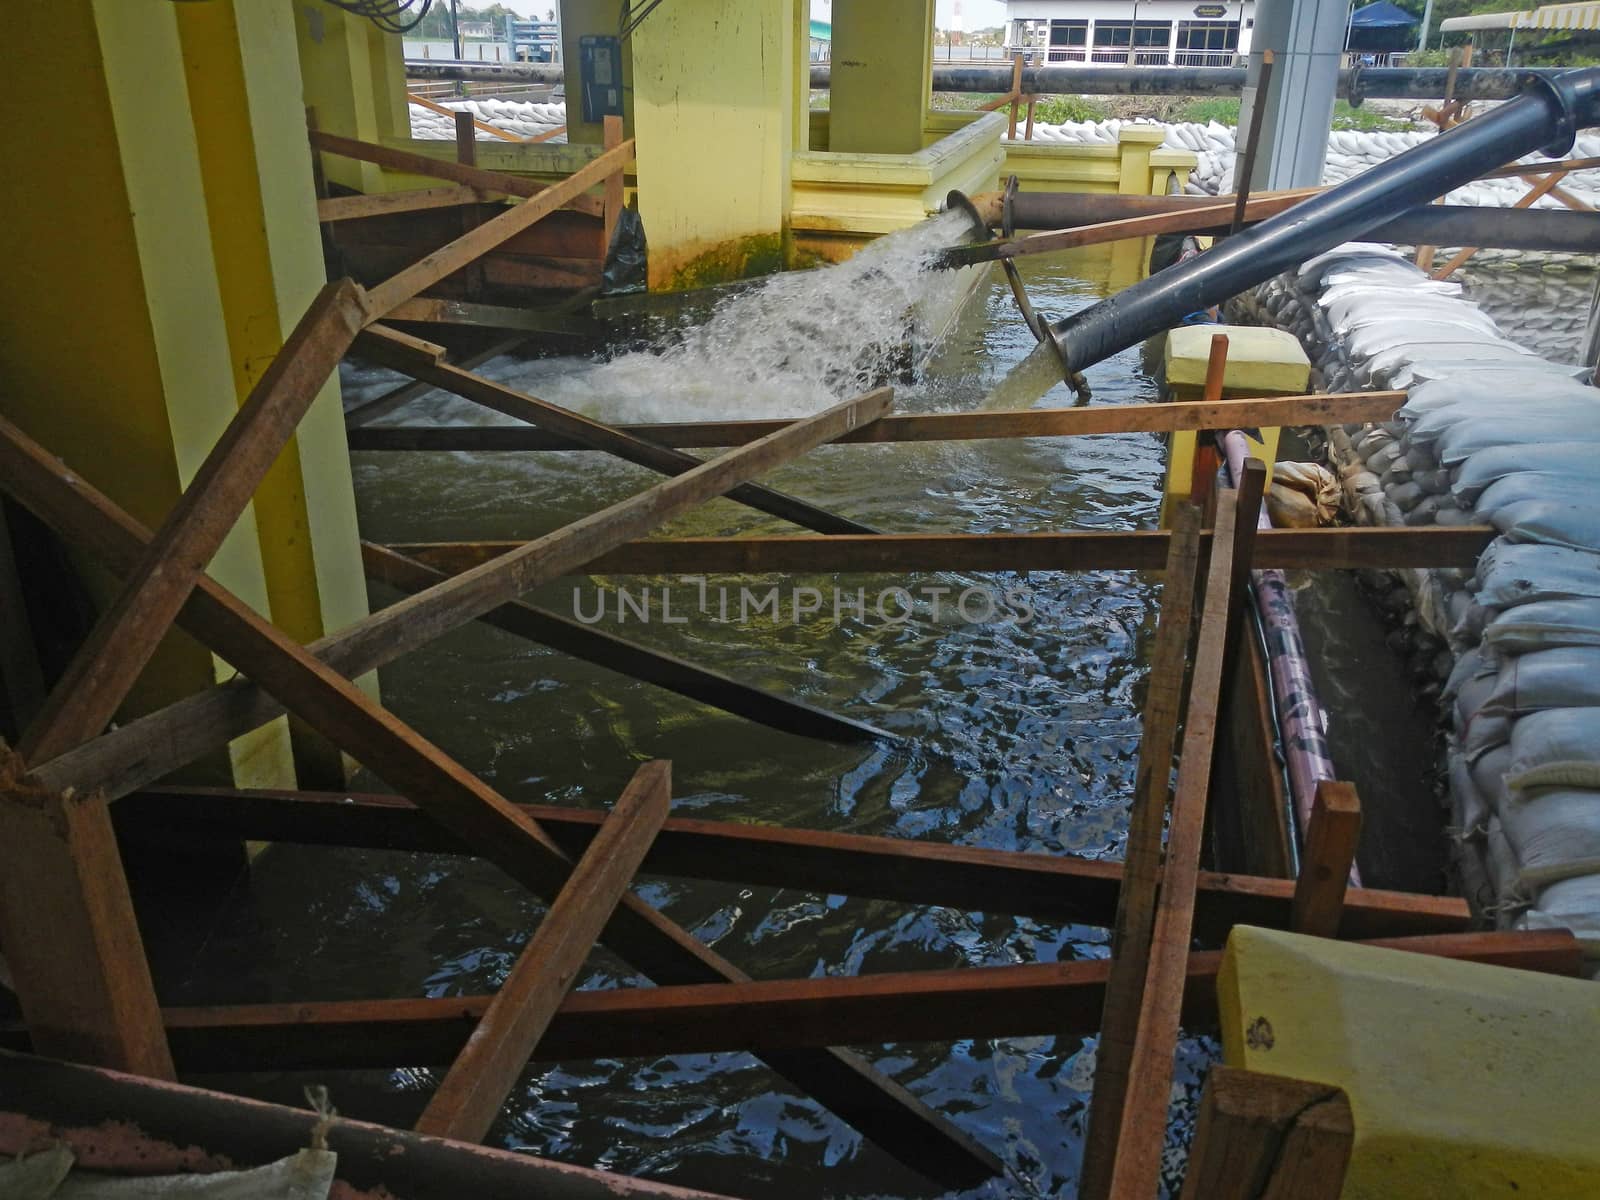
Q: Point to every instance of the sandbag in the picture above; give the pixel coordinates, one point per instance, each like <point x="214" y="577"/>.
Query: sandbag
<point x="1564" y="678"/>
<point x="1531" y="485"/>
<point x="1559" y="747"/>
<point x="1554" y="835"/>
<point x="1544" y="625"/>
<point x="1575" y="458"/>
<point x="1551" y="523"/>
<point x="1511" y="573"/>
<point x="1304" y="494"/>
<point x="1466" y="438"/>
<point x="1569" y="904"/>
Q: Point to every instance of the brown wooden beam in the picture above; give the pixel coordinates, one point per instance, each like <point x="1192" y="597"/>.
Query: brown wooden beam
<point x="401" y="353"/>
<point x="1141" y="872"/>
<point x="475" y="1087"/>
<point x="1299" y="549"/>
<point x="1332" y="836"/>
<point x="438" y="310"/>
<point x="68" y="931"/>
<point x="381" y="406"/>
<point x="1136" y="1167"/>
<point x="1310" y="409"/>
<point x="882" y="1110"/>
<point x="380" y="204"/>
<point x="1047" y="887"/>
<point x="128" y="632"/>
<point x="636" y="661"/>
<point x="1064" y="999"/>
<point x="1265" y="1137"/>
<point x="422" y="164"/>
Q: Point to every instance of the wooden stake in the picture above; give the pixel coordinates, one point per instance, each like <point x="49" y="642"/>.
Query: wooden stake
<point x="1264" y="1137"/>
<point x="614" y="182"/>
<point x="1142" y="1136"/>
<point x="1330" y="851"/>
<point x="467" y="156"/>
<point x="1246" y="167"/>
<point x="452" y="256"/>
<point x="131" y="628"/>
<point x="1016" y="94"/>
<point x="1203" y="473"/>
<point x="483" y="1074"/>
<point x="402" y="353"/>
<point x="67" y="925"/>
<point x="1141" y="872"/>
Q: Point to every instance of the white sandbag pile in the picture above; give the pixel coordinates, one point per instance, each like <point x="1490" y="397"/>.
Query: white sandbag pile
<point x="1490" y="433"/>
<point x="523" y="118"/>
<point x="1542" y="304"/>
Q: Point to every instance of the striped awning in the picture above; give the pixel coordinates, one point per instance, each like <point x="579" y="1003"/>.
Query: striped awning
<point x="1551" y="16"/>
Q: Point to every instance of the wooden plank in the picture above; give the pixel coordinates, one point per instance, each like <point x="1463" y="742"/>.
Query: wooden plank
<point x="612" y="130"/>
<point x="1332" y="835"/>
<point x="456" y="115"/>
<point x="439" y="310"/>
<point x="422" y="164"/>
<point x="132" y="626"/>
<point x="386" y="346"/>
<point x="382" y="406"/>
<point x="664" y="670"/>
<point x="1312" y="409"/>
<point x="470" y="1095"/>
<point x="1135" y="1171"/>
<point x="1203" y="471"/>
<point x="467" y="156"/>
<point x="1246" y="164"/>
<point x="1141" y="872"/>
<point x="1266" y="1137"/>
<point x="1046" y="887"/>
<point x="1250" y="826"/>
<point x="765" y="1017"/>
<point x="474" y="812"/>
<point x="68" y="928"/>
<point x="1145" y="550"/>
<point x="382" y="204"/>
<point x="470" y="246"/>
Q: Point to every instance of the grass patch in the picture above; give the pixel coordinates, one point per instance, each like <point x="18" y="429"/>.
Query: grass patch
<point x="1345" y="117"/>
<point x="1057" y="110"/>
<point x="1224" y="110"/>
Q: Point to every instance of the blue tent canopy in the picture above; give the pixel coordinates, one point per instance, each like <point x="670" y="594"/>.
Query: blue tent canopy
<point x="1381" y="27"/>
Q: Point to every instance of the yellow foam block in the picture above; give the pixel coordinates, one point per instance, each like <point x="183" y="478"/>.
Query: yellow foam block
<point x="1261" y="361"/>
<point x="1465" y="1080"/>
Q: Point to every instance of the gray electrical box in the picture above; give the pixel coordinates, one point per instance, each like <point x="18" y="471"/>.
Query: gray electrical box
<point x="600" y="72"/>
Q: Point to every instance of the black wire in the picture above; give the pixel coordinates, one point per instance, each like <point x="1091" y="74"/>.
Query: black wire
<point x="387" y="15"/>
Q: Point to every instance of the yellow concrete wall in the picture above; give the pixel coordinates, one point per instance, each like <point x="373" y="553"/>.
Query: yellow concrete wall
<point x="579" y="17"/>
<point x="882" y="75"/>
<point x="338" y="82"/>
<point x="714" y="86"/>
<point x="113" y="348"/>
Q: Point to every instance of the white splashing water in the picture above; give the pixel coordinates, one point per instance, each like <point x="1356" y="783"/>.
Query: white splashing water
<point x="791" y="345"/>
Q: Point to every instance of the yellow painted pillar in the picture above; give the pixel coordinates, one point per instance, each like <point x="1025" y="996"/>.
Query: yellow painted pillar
<point x="353" y="77"/>
<point x="882" y="76"/>
<point x="240" y="58"/>
<point x="714" y="89"/>
<point x="594" y="17"/>
<point x="114" y="351"/>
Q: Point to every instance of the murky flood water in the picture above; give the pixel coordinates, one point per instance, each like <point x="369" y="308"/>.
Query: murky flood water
<point x="1017" y="735"/>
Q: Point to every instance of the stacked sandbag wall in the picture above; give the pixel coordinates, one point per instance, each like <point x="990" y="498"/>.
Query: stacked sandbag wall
<point x="521" y="117"/>
<point x="1492" y="433"/>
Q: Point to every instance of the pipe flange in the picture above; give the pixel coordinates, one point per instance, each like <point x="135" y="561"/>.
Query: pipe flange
<point x="1569" y="110"/>
<point x="1007" y="225"/>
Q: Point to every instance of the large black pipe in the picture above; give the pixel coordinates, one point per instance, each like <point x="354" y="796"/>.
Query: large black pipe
<point x="1355" y="84"/>
<point x="1546" y="117"/>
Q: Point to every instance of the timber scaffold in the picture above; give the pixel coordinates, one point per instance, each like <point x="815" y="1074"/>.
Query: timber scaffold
<point x="74" y="790"/>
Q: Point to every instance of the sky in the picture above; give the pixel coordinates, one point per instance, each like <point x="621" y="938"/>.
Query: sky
<point x="975" y="14"/>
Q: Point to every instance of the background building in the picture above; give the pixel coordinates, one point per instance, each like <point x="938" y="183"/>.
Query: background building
<point x="1131" y="32"/>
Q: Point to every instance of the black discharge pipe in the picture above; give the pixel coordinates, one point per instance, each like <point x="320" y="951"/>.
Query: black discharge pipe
<point x="1547" y="116"/>
<point x="1355" y="84"/>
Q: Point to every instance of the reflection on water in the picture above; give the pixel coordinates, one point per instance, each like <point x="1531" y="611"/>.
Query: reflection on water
<point x="1019" y="736"/>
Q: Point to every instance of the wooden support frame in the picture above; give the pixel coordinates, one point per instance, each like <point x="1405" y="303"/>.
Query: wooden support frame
<point x="880" y="1109"/>
<point x="128" y="632"/>
<point x="1318" y="408"/>
<point x="638" y="662"/>
<point x="1142" y="1134"/>
<point x="382" y="406"/>
<point x="767" y="1017"/>
<point x="1266" y="1137"/>
<point x="1546" y="184"/>
<point x="470" y="1095"/>
<point x="437" y="168"/>
<point x="425" y="362"/>
<point x="1332" y="836"/>
<point x="382" y="204"/>
<point x="1045" y="887"/>
<point x="1141" y="872"/>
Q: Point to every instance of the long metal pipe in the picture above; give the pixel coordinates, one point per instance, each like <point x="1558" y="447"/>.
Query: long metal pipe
<point x="1547" y="116"/>
<point x="1355" y="83"/>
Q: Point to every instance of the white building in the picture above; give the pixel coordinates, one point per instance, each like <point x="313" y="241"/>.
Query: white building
<point x="1131" y="32"/>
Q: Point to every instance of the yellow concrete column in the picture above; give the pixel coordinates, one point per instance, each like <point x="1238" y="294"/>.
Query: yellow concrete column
<point x="599" y="17"/>
<point x="342" y="82"/>
<point x="714" y="88"/>
<point x="882" y="76"/>
<point x="241" y="59"/>
<point x="113" y="347"/>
